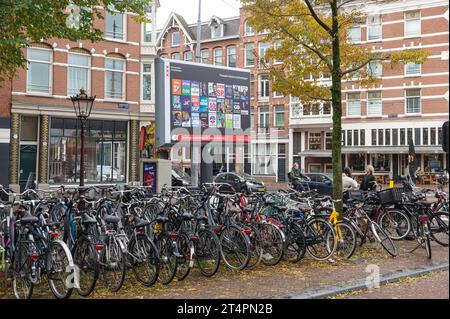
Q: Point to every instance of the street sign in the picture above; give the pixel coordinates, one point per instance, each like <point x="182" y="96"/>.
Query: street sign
<point x="124" y="106"/>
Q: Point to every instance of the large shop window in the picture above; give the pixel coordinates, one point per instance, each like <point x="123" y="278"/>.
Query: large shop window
<point x="381" y="162"/>
<point x="39" y="72"/>
<point x="357" y="162"/>
<point x="264" y="159"/>
<point x="105" y="151"/>
<point x="78" y="73"/>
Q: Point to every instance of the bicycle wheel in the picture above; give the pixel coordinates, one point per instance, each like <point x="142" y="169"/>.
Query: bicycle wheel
<point x="207" y="252"/>
<point x="21" y="270"/>
<point x="86" y="259"/>
<point x="383" y="239"/>
<point x="235" y="247"/>
<point x="426" y="237"/>
<point x="295" y="244"/>
<point x="395" y="223"/>
<point x="59" y="261"/>
<point x="320" y="238"/>
<point x="144" y="260"/>
<point x="273" y="243"/>
<point x="168" y="260"/>
<point x="346" y="240"/>
<point x="438" y="226"/>
<point x="186" y="249"/>
<point x="256" y="247"/>
<point x="113" y="268"/>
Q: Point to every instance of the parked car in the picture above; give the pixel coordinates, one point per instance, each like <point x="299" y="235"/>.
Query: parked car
<point x="320" y="181"/>
<point x="240" y="182"/>
<point x="180" y="178"/>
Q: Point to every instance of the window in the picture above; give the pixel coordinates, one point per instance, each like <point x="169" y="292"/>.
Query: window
<point x="387" y="137"/>
<point x="252" y="86"/>
<point x="39" y="74"/>
<point x="28" y="128"/>
<point x="381" y="162"/>
<point x="105" y="155"/>
<point x="326" y="108"/>
<point x="375" y="69"/>
<point x="362" y="137"/>
<point x="263" y="47"/>
<point x="353" y="104"/>
<point x="248" y="29"/>
<point x="433" y="136"/>
<point x="413" y="101"/>
<point x="265" y="159"/>
<point x="409" y="135"/>
<point x="402" y="136"/>
<point x="252" y="118"/>
<point x="175" y="38"/>
<point x="349" y="138"/>
<point x="231" y="56"/>
<point x="343" y="141"/>
<point x="425" y="136"/>
<point x="374" y="137"/>
<point x="354" y="33"/>
<point x="315" y="141"/>
<point x="278" y="116"/>
<point x="328" y="141"/>
<point x="218" y="56"/>
<point x="175" y="56"/>
<point x="114" y="28"/>
<point x="355" y="137"/>
<point x="395" y="136"/>
<point x="148" y="32"/>
<point x="187" y="56"/>
<point x="306" y="109"/>
<point x="412" y="69"/>
<point x="380" y="137"/>
<point x="417" y="139"/>
<point x="439" y="135"/>
<point x="249" y="54"/>
<point x="264" y="86"/>
<point x="146" y="82"/>
<point x="205" y="56"/>
<point x="217" y="31"/>
<point x="114" y="78"/>
<point x="357" y="162"/>
<point x="78" y="73"/>
<point x="374" y="27"/>
<point x="374" y="104"/>
<point x="412" y="24"/>
<point x="278" y="46"/>
<point x="263" y="122"/>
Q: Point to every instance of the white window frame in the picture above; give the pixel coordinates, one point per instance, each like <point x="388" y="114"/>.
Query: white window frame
<point x="277" y="45"/>
<point x="246" y="53"/>
<point x="124" y="27"/>
<point x="275" y="113"/>
<point x="263" y="46"/>
<point x="202" y="57"/>
<point x="406" y="102"/>
<point x="187" y="53"/>
<point x="152" y="91"/>
<point x="264" y="117"/>
<point x="218" y="49"/>
<point x="379" y="24"/>
<point x="214" y="28"/>
<point x="262" y="88"/>
<point x="123" y="79"/>
<point x="235" y="55"/>
<point x="412" y="74"/>
<point x="173" y="55"/>
<point x="406" y="35"/>
<point x="50" y="77"/>
<point x="348" y="103"/>
<point x="172" y="39"/>
<point x="379" y="66"/>
<point x="88" y="85"/>
<point x="379" y="101"/>
<point x="248" y="29"/>
<point x="354" y="27"/>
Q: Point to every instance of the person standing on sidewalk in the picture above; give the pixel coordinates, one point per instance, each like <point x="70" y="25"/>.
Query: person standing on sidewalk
<point x="347" y="179"/>
<point x="369" y="183"/>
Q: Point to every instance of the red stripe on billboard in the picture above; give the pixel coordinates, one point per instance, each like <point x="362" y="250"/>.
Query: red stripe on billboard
<point x="213" y="138"/>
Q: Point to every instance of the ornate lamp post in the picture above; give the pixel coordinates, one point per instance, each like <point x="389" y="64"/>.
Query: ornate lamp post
<point x="82" y="104"/>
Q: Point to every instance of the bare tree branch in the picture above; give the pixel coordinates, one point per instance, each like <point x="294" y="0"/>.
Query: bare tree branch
<point x="316" y="17"/>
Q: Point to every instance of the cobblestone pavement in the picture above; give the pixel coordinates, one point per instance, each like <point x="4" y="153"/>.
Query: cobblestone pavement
<point x="431" y="286"/>
<point x="279" y="281"/>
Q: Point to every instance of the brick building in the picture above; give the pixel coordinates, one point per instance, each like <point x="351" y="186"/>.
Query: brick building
<point x="231" y="42"/>
<point x="410" y="100"/>
<point x="37" y="116"/>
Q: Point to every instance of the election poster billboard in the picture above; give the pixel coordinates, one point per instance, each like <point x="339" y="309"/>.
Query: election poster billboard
<point x="201" y="102"/>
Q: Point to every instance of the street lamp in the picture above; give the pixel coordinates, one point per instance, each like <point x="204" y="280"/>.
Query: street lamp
<point x="82" y="104"/>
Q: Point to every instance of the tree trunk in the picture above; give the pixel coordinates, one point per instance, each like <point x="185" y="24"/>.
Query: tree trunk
<point x="336" y="92"/>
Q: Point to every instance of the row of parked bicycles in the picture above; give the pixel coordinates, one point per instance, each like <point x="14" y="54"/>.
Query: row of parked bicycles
<point x="76" y="239"/>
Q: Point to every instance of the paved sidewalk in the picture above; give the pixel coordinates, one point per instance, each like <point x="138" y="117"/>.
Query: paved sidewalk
<point x="279" y="281"/>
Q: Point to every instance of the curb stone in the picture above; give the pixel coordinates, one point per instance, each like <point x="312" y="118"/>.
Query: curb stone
<point x="334" y="290"/>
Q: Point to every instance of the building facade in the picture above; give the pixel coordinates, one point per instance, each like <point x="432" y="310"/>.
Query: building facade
<point x="43" y="132"/>
<point x="232" y="42"/>
<point x="410" y="101"/>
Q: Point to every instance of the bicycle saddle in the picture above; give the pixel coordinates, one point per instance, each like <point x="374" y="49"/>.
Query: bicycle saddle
<point x="109" y="219"/>
<point x="139" y="222"/>
<point x="27" y="218"/>
<point x="162" y="219"/>
<point x="86" y="219"/>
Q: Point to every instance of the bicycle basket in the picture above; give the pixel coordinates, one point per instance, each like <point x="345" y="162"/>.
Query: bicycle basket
<point x="386" y="196"/>
<point x="397" y="194"/>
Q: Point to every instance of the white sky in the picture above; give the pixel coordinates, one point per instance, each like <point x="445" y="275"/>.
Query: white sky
<point x="189" y="9"/>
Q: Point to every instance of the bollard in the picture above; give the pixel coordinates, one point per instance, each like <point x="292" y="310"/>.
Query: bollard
<point x="391" y="179"/>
